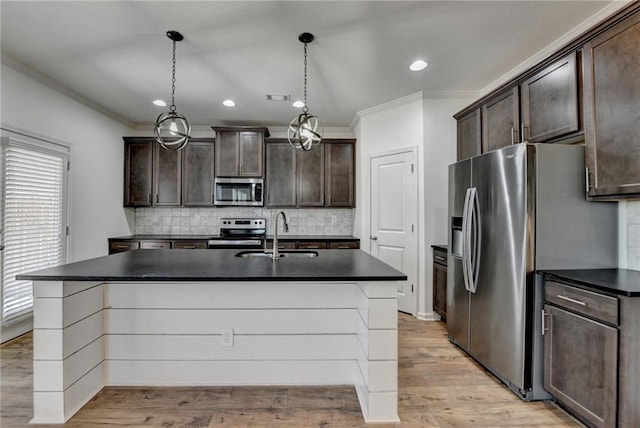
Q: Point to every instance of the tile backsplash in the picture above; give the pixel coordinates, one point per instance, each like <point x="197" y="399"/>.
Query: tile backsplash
<point x="206" y="221"/>
<point x="633" y="234"/>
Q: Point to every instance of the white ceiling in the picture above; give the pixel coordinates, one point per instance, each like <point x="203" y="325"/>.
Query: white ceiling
<point x="116" y="54"/>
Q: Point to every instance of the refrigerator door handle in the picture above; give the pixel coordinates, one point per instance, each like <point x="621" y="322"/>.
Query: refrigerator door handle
<point x="474" y="267"/>
<point x="466" y="241"/>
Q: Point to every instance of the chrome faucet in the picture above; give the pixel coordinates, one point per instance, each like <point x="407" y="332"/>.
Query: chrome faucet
<point x="276" y="253"/>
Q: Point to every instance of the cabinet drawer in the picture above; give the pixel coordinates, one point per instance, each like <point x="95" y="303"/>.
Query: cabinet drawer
<point x="440" y="257"/>
<point x="190" y="245"/>
<point x="120" y="246"/>
<point x="156" y="245"/>
<point x="585" y="302"/>
<point x="283" y="245"/>
<point x="310" y="245"/>
<point x="348" y="245"/>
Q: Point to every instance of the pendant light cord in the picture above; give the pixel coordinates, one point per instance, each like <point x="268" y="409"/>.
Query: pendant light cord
<point x="173" y="80"/>
<point x="305" y="108"/>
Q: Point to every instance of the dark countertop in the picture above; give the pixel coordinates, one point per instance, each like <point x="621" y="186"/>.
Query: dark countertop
<point x="441" y="247"/>
<point x="283" y="237"/>
<point x="623" y="282"/>
<point x="221" y="265"/>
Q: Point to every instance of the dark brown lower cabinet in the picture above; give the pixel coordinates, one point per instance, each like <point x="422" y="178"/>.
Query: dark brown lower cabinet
<point x="440" y="283"/>
<point x="580" y="369"/>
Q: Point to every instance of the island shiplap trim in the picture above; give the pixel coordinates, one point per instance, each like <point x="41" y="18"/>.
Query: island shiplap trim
<point x="170" y="334"/>
<point x="68" y="360"/>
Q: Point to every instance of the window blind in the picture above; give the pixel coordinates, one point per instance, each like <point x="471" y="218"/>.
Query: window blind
<point x="34" y="222"/>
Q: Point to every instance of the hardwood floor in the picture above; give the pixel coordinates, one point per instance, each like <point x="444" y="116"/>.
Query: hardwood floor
<point x="439" y="386"/>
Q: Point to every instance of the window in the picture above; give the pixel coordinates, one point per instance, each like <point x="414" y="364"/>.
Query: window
<point x="34" y="220"/>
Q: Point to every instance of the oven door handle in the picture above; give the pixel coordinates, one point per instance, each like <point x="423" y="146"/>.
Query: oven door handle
<point x="221" y="242"/>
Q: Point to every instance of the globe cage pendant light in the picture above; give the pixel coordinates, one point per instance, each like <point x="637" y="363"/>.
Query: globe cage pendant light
<point x="172" y="130"/>
<point x="305" y="131"/>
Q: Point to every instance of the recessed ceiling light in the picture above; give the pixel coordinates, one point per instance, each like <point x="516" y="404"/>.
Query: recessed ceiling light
<point x="298" y="104"/>
<point x="418" y="65"/>
<point x="229" y="103"/>
<point x="159" y="103"/>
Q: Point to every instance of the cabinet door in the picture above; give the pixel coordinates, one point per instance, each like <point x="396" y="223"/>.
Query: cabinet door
<point x="550" y="101"/>
<point x="198" y="172"/>
<point x="138" y="173"/>
<point x="227" y="154"/>
<point x="500" y="121"/>
<point x="251" y="159"/>
<point x="281" y="175"/>
<point x="611" y="69"/>
<point x="339" y="171"/>
<point x="469" y="135"/>
<point x="311" y="178"/>
<point x="580" y="367"/>
<point x="167" y="176"/>
<point x="440" y="290"/>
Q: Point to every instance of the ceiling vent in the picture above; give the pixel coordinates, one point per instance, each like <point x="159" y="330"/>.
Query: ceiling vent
<point x="276" y="97"/>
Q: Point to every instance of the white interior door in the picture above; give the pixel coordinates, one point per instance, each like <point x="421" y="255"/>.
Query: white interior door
<point x="394" y="213"/>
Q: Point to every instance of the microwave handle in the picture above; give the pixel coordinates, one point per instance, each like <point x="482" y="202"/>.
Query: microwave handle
<point x="257" y="192"/>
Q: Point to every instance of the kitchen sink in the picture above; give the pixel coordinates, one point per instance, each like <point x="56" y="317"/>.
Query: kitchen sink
<point x="281" y="252"/>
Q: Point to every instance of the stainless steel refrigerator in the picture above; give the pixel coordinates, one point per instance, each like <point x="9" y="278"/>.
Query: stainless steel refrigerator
<point x="512" y="212"/>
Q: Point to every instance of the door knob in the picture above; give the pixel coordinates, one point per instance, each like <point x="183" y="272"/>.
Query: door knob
<point x="373" y="238"/>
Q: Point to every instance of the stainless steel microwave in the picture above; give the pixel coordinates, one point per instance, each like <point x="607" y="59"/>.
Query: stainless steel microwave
<point x="238" y="192"/>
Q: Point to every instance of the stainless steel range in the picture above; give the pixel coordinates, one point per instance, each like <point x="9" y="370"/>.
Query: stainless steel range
<point x="240" y="233"/>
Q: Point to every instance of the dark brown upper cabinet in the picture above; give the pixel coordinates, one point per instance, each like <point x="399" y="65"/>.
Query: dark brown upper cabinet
<point x="154" y="176"/>
<point x="239" y="151"/>
<point x="469" y="135"/>
<point x="500" y="120"/>
<point x="323" y="177"/>
<point x="281" y="174"/>
<point x="138" y="172"/>
<point x="151" y="174"/>
<point x="611" y="69"/>
<point x="549" y="106"/>
<point x="310" y="177"/>
<point x="167" y="176"/>
<point x="339" y="173"/>
<point x="198" y="173"/>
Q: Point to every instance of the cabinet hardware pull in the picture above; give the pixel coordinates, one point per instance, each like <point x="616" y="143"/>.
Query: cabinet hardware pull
<point x="525" y="133"/>
<point x="440" y="258"/>
<point x="569" y="299"/>
<point x="189" y="247"/>
<point x="157" y="198"/>
<point x="122" y="246"/>
<point x="544" y="328"/>
<point x="587" y="183"/>
<point x="150" y="198"/>
<point x="343" y="247"/>
<point x="312" y="246"/>
<point x="513" y="139"/>
<point x="373" y="238"/>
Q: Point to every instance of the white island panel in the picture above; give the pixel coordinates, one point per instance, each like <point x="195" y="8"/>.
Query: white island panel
<point x="170" y="334"/>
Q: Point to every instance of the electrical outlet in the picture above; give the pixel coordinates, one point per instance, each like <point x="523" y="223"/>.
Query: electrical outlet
<point x="227" y="338"/>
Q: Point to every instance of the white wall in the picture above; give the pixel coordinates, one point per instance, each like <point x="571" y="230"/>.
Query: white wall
<point x="428" y="125"/>
<point x="96" y="176"/>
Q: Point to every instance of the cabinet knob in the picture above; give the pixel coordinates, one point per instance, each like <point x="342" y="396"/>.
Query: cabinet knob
<point x="373" y="238"/>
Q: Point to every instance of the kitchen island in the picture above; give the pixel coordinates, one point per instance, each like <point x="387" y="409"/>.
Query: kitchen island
<point x="186" y="318"/>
